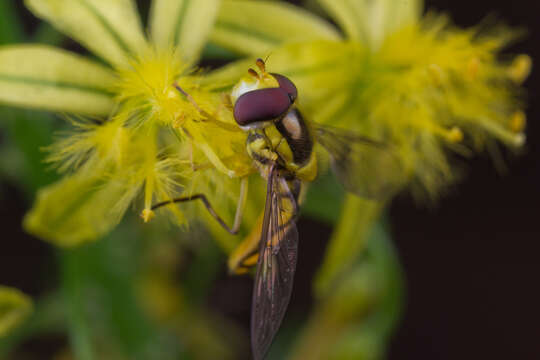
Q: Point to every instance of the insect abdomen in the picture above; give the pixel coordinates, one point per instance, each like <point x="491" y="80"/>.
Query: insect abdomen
<point x="295" y="131"/>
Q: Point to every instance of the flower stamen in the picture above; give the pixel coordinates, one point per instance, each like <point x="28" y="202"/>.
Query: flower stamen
<point x="472" y="68"/>
<point x="518" y="122"/>
<point x="147" y="215"/>
<point x="520" y="69"/>
<point x="455" y="135"/>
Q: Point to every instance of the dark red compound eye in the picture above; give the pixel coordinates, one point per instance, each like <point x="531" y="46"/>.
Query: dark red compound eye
<point x="287" y="85"/>
<point x="261" y="105"/>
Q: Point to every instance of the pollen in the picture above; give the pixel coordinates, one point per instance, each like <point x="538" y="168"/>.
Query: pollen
<point x="148" y="85"/>
<point x="455" y="135"/>
<point x="520" y="68"/>
<point x="472" y="68"/>
<point x="436" y="74"/>
<point x="147" y="215"/>
<point x="518" y="122"/>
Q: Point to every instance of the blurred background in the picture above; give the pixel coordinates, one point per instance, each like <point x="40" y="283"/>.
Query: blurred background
<point x="470" y="263"/>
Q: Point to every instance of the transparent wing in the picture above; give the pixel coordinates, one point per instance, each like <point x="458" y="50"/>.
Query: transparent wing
<point x="276" y="264"/>
<point x="365" y="167"/>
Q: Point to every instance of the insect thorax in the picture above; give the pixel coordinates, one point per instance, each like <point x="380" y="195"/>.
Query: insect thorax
<point x="289" y="142"/>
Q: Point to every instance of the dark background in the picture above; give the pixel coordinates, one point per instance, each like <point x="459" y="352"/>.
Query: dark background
<point x="471" y="263"/>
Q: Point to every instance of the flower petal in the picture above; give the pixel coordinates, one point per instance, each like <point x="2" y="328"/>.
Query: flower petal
<point x="109" y="28"/>
<point x="224" y="78"/>
<point x="346" y="14"/>
<point x="312" y="65"/>
<point x="241" y="27"/>
<point x="78" y="209"/>
<point x="44" y="77"/>
<point x="14" y="308"/>
<point x="370" y="21"/>
<point x="186" y="23"/>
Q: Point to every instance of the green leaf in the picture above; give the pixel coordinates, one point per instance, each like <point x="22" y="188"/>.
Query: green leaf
<point x="370" y="21"/>
<point x="257" y="27"/>
<point x="103" y="295"/>
<point x="27" y="134"/>
<point x="109" y="28"/>
<point x="183" y="23"/>
<point x="44" y="77"/>
<point x="10" y="27"/>
<point x="14" y="308"/>
<point x="79" y="331"/>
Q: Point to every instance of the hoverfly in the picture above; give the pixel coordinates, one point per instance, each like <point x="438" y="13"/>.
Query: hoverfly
<point x="281" y="143"/>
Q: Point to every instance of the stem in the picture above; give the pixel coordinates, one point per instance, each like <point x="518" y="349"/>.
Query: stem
<point x="320" y="334"/>
<point x="347" y="242"/>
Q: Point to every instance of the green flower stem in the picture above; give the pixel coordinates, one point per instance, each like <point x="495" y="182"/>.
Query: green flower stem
<point x="347" y="242"/>
<point x="323" y="329"/>
<point x="78" y="328"/>
<point x="357" y="317"/>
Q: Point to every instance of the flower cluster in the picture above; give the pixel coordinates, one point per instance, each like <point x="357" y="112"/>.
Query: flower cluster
<point x="144" y="127"/>
<point x="423" y="86"/>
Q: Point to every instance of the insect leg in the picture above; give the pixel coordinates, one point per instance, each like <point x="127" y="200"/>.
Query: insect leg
<point x="239" y="208"/>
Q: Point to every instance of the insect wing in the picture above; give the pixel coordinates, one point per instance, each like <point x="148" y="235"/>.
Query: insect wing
<point x="276" y="265"/>
<point x="365" y="167"/>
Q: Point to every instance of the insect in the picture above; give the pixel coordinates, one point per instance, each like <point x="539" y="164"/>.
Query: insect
<point x="281" y="143"/>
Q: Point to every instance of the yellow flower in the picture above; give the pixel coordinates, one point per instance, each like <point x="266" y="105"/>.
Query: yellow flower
<point x="418" y="83"/>
<point x="142" y="120"/>
<point x="434" y="92"/>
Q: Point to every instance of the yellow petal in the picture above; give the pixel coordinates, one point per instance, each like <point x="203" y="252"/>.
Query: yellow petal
<point x="312" y="65"/>
<point x="224" y="78"/>
<point x="44" y="77"/>
<point x="78" y="209"/>
<point x="109" y="28"/>
<point x="345" y="13"/>
<point x="14" y="308"/>
<point x="256" y="27"/>
<point x="370" y="21"/>
<point x="183" y="23"/>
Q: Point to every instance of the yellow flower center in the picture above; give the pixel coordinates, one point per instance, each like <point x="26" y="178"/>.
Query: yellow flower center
<point x="147" y="86"/>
